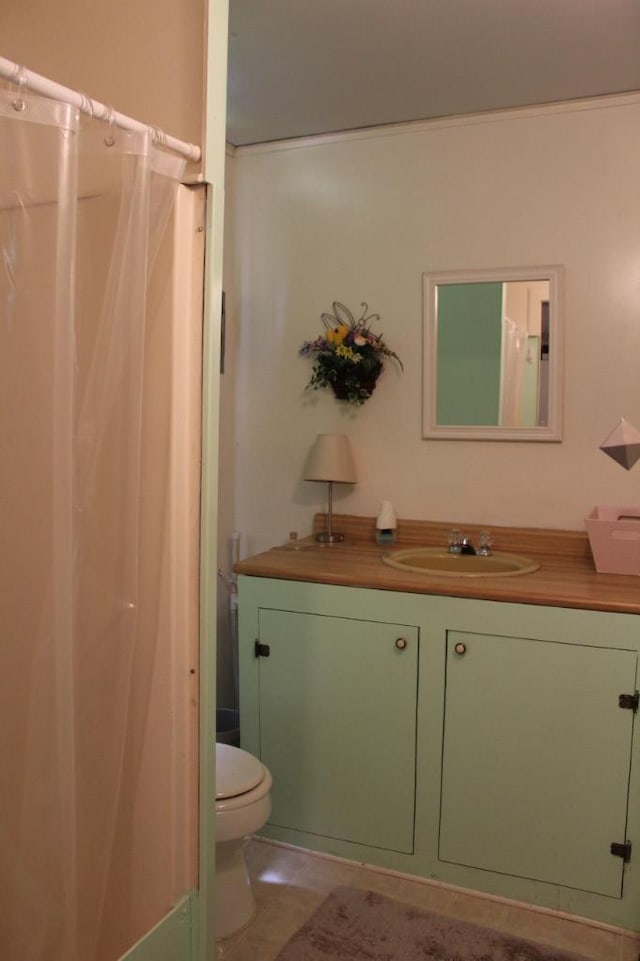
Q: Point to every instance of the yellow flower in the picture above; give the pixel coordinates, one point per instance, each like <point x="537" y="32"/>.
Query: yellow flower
<point x="337" y="335"/>
<point x="348" y="353"/>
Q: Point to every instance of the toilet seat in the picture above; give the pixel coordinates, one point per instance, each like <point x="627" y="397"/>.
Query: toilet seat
<point x="237" y="773"/>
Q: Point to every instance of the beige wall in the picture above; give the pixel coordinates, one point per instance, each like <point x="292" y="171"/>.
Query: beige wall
<point x="142" y="57"/>
<point x="361" y="217"/>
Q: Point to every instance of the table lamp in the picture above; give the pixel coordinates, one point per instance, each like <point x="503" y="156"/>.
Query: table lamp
<point x="330" y="460"/>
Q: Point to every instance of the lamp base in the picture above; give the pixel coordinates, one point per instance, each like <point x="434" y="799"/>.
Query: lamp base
<point x="324" y="537"/>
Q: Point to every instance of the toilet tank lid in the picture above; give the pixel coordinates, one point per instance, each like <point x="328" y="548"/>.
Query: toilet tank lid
<point x="237" y="771"/>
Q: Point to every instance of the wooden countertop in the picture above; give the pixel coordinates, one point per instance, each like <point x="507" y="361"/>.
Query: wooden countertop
<point x="566" y="577"/>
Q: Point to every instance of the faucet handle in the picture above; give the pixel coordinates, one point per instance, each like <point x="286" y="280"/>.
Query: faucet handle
<point x="455" y="541"/>
<point x="485" y="544"/>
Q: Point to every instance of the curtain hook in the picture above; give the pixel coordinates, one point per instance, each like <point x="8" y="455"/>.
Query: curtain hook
<point x="21" y="83"/>
<point x="111" y="119"/>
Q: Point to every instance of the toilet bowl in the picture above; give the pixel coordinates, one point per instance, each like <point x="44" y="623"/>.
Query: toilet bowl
<point x="243" y="806"/>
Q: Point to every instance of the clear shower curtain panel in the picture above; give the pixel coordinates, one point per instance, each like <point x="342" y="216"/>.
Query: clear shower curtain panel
<point x="513" y="360"/>
<point x="82" y="213"/>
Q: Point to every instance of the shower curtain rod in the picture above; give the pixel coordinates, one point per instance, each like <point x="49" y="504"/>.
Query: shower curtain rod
<point x="55" y="91"/>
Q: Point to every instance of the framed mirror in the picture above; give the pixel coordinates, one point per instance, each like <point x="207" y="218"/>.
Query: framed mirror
<point x="492" y="366"/>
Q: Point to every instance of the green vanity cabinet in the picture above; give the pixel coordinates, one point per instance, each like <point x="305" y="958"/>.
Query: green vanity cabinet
<point x="482" y="744"/>
<point x="535" y="760"/>
<point x="337" y="725"/>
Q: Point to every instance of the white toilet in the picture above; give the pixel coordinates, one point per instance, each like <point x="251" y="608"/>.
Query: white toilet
<point x="243" y="806"/>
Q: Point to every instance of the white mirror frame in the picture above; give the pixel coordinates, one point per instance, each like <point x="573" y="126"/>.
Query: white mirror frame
<point x="430" y="428"/>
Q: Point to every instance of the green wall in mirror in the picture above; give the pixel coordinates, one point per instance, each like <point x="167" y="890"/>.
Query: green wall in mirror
<point x="469" y="339"/>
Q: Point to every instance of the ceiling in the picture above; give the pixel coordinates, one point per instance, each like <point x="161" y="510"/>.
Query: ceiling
<point x="303" y="67"/>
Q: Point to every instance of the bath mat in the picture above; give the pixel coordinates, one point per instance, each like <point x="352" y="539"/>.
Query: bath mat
<point x="355" y="925"/>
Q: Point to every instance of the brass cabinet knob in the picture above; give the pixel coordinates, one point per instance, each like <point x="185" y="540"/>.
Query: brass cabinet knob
<point x="460" y="648"/>
<point x="401" y="643"/>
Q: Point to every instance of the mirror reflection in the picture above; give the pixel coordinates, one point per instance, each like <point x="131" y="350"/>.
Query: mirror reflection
<point x="492" y="360"/>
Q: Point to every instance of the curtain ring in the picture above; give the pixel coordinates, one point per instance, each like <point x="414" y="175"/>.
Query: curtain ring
<point x="86" y="104"/>
<point x="21" y="83"/>
<point x="111" y="119"/>
<point x="158" y="137"/>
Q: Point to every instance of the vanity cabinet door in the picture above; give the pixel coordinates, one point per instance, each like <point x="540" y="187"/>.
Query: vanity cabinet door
<point x="337" y="726"/>
<point x="536" y="759"/>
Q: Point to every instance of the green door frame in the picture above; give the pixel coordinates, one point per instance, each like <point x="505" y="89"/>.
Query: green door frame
<point x="214" y="170"/>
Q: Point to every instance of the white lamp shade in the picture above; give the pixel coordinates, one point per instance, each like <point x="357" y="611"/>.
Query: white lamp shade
<point x="331" y="459"/>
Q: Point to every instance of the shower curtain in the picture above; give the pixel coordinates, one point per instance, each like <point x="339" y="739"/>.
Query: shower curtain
<point x="88" y="672"/>
<point x="514" y="346"/>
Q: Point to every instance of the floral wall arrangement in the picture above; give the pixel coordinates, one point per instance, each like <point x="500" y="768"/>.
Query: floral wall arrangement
<point x="348" y="357"/>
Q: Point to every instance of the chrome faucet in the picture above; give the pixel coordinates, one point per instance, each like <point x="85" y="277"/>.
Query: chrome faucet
<point x="459" y="543"/>
<point x="466" y="547"/>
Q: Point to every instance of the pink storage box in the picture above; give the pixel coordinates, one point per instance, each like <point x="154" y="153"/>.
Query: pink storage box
<point x="614" y="536"/>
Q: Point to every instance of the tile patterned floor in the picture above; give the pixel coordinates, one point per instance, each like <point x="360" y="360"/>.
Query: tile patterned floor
<point x="290" y="884"/>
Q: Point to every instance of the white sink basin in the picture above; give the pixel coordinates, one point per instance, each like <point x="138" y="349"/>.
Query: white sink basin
<point x="435" y="560"/>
